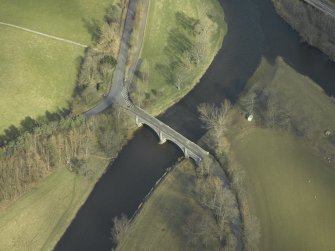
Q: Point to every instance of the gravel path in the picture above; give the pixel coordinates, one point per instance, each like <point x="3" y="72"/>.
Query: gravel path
<point x="43" y="34"/>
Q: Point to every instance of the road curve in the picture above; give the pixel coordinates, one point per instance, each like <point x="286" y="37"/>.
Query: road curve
<point x="119" y="72"/>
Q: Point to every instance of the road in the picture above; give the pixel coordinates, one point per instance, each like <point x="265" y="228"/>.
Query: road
<point x="119" y="72"/>
<point x="324" y="6"/>
<point x="119" y="95"/>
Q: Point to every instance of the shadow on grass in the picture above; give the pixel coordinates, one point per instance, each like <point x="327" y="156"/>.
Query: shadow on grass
<point x="28" y="125"/>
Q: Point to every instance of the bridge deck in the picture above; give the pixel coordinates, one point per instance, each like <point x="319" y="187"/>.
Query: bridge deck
<point x="169" y="133"/>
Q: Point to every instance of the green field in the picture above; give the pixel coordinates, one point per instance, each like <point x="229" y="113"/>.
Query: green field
<point x="38" y="73"/>
<point x="290" y="190"/>
<point x="159" y="225"/>
<point x="37" y="220"/>
<point x="305" y="99"/>
<point x="289" y="185"/>
<point x="161" y="21"/>
<point x="66" y="19"/>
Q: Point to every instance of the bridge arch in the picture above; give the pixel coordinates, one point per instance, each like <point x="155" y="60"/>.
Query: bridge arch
<point x="163" y="138"/>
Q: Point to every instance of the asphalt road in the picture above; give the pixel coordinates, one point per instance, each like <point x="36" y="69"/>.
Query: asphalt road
<point x="114" y="94"/>
<point x="323" y="6"/>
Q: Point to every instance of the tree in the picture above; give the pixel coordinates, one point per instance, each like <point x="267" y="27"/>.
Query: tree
<point x="204" y="167"/>
<point x="199" y="231"/>
<point x="200" y="48"/>
<point x="215" y="117"/>
<point x="182" y="70"/>
<point x="109" y="41"/>
<point x="119" y="229"/>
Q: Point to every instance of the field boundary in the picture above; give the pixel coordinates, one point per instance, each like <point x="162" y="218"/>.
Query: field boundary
<point x="43" y="34"/>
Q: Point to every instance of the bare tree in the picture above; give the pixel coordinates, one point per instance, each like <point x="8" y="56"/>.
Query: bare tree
<point x="215" y="117"/>
<point x="203" y="31"/>
<point x="119" y="229"/>
<point x="110" y="39"/>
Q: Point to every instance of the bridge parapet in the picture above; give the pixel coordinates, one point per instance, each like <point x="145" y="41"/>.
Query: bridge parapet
<point x="164" y="133"/>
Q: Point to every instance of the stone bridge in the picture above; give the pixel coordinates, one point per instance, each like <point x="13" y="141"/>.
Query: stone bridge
<point x="119" y="95"/>
<point x="164" y="133"/>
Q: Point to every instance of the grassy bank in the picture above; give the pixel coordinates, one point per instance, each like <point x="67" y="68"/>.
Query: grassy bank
<point x="314" y="26"/>
<point x="289" y="184"/>
<point x="163" y="50"/>
<point x="160" y="223"/>
<point x="38" y="219"/>
<point x="65" y="191"/>
<point x="38" y="73"/>
<point x="292" y="102"/>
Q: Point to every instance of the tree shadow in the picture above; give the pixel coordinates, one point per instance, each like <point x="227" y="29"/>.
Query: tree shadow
<point x="93" y="28"/>
<point x="177" y="44"/>
<point x="186" y="22"/>
<point x="28" y="125"/>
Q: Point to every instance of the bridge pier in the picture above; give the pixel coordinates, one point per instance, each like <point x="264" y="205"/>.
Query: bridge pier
<point x="164" y="133"/>
<point x="162" y="139"/>
<point x="138" y="122"/>
<point x="186" y="154"/>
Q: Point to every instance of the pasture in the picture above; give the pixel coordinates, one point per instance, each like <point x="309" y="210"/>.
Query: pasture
<point x="37" y="73"/>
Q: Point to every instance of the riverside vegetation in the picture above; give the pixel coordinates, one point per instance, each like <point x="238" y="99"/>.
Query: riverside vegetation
<point x="280" y="166"/>
<point x="178" y="47"/>
<point x="287" y="155"/>
<point x="58" y="154"/>
<point x="314" y="26"/>
<point x="189" y="210"/>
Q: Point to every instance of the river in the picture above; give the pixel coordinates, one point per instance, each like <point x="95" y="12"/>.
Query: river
<point x="254" y="30"/>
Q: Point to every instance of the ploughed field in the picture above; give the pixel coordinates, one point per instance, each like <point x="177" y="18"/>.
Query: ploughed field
<point x="37" y="73"/>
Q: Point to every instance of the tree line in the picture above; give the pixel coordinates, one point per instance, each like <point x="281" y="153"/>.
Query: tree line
<point x="219" y="199"/>
<point x="314" y="26"/>
<point x="187" y="47"/>
<point x="30" y="152"/>
<point x="68" y="142"/>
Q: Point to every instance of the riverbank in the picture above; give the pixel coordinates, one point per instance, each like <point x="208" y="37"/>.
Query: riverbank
<point x="159" y="224"/>
<point x="36" y="216"/>
<point x="165" y="74"/>
<point x="175" y="216"/>
<point x="37" y="220"/>
<point x="288" y="163"/>
<point x="314" y="26"/>
<point x="57" y="227"/>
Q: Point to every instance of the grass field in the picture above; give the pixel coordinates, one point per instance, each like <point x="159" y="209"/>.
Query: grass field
<point x="159" y="224"/>
<point x="37" y="220"/>
<point x="290" y="190"/>
<point x="161" y="20"/>
<point x="37" y="73"/>
<point x="304" y="97"/>
<point x="67" y="19"/>
<point x="290" y="187"/>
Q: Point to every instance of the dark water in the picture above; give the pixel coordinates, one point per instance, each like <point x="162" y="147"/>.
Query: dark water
<point x="255" y="30"/>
